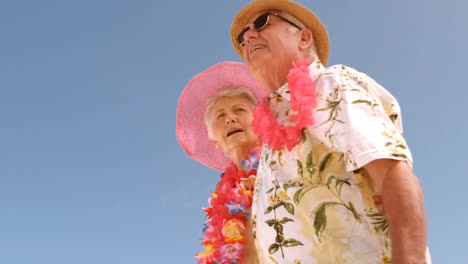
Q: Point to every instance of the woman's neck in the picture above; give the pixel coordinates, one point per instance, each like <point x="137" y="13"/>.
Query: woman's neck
<point x="239" y="154"/>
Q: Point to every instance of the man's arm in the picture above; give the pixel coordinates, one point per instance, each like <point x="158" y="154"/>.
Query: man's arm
<point x="403" y="206"/>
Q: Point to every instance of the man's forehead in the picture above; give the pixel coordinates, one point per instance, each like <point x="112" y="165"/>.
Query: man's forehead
<point x="254" y="16"/>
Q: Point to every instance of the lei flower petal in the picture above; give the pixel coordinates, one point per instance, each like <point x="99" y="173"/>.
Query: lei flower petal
<point x="303" y="103"/>
<point x="252" y="162"/>
<point x="231" y="253"/>
<point x="223" y="239"/>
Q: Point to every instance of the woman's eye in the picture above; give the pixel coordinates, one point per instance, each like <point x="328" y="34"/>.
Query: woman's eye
<point x="219" y="116"/>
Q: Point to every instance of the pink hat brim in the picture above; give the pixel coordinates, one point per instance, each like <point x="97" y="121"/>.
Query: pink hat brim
<point x="191" y="131"/>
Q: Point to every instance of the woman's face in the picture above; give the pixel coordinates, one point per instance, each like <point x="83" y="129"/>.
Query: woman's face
<point x="231" y="123"/>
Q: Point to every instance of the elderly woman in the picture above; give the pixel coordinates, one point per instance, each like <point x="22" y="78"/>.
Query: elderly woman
<point x="214" y="127"/>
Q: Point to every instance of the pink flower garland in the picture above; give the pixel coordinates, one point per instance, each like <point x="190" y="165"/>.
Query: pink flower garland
<point x="229" y="207"/>
<point x="303" y="102"/>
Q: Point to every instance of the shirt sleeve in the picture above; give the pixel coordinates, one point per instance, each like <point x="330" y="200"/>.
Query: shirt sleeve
<point x="358" y="117"/>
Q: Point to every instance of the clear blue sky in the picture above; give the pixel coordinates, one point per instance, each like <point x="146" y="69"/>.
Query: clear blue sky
<point x="90" y="169"/>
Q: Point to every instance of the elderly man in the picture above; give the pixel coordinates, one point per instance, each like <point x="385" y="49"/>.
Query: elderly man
<point x="335" y="182"/>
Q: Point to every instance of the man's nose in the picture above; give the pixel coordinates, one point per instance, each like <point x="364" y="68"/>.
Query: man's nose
<point x="250" y="34"/>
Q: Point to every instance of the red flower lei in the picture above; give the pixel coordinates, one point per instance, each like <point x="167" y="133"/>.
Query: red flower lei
<point x="229" y="209"/>
<point x="303" y="102"/>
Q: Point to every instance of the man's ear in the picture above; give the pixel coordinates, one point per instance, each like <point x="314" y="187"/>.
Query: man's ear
<point x="306" y="39"/>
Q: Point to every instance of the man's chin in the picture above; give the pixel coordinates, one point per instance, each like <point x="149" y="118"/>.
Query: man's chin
<point x="258" y="70"/>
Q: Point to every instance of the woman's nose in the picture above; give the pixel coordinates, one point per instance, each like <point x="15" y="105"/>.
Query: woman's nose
<point x="230" y="119"/>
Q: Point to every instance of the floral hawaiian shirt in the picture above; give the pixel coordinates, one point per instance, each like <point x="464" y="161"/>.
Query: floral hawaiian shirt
<point x="314" y="204"/>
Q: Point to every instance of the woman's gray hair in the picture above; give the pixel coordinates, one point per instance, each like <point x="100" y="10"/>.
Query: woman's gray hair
<point x="231" y="92"/>
<point x="312" y="49"/>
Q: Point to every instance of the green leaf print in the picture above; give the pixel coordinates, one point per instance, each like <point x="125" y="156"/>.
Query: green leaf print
<point x="320" y="221"/>
<point x="338" y="183"/>
<point x="323" y="164"/>
<point x="362" y="102"/>
<point x="355" y="213"/>
<point x="281" y="158"/>
<point x="393" y="117"/>
<point x="292" y="243"/>
<point x="273" y="248"/>
<point x="279" y="204"/>
<point x="279" y="229"/>
<point x="285" y="220"/>
<point x="304" y="135"/>
<point x="399" y="155"/>
<point x="310" y="164"/>
<point x="286" y="186"/>
<point x="354" y="90"/>
<point x="301" y="192"/>
<point x="279" y="199"/>
<point x="272" y="164"/>
<point x="401" y="146"/>
<point x="289" y="207"/>
<point x="270" y="222"/>
<point x="300" y="168"/>
<point x="379" y="221"/>
<point x="279" y="239"/>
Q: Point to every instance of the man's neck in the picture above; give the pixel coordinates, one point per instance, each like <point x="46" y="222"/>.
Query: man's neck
<point x="274" y="81"/>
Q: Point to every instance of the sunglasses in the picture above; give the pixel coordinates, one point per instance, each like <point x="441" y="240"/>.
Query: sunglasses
<point x="260" y="23"/>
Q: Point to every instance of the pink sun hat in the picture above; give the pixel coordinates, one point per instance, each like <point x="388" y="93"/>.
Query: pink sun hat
<point x="191" y="130"/>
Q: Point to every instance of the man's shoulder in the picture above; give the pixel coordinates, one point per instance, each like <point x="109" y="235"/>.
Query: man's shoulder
<point x="339" y="75"/>
<point x="336" y="75"/>
<point x="344" y="75"/>
<point x="342" y="70"/>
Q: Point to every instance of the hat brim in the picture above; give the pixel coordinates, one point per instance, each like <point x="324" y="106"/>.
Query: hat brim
<point x="307" y="17"/>
<point x="191" y="130"/>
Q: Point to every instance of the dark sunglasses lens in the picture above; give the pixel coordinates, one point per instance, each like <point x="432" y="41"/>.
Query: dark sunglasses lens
<point x="261" y="21"/>
<point x="258" y="24"/>
<point x="240" y="37"/>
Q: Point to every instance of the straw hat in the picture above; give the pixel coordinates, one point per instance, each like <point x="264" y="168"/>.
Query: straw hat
<point x="191" y="130"/>
<point x="307" y="17"/>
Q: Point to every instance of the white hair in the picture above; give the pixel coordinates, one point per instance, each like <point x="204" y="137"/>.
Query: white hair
<point x="313" y="48"/>
<point x="231" y="92"/>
